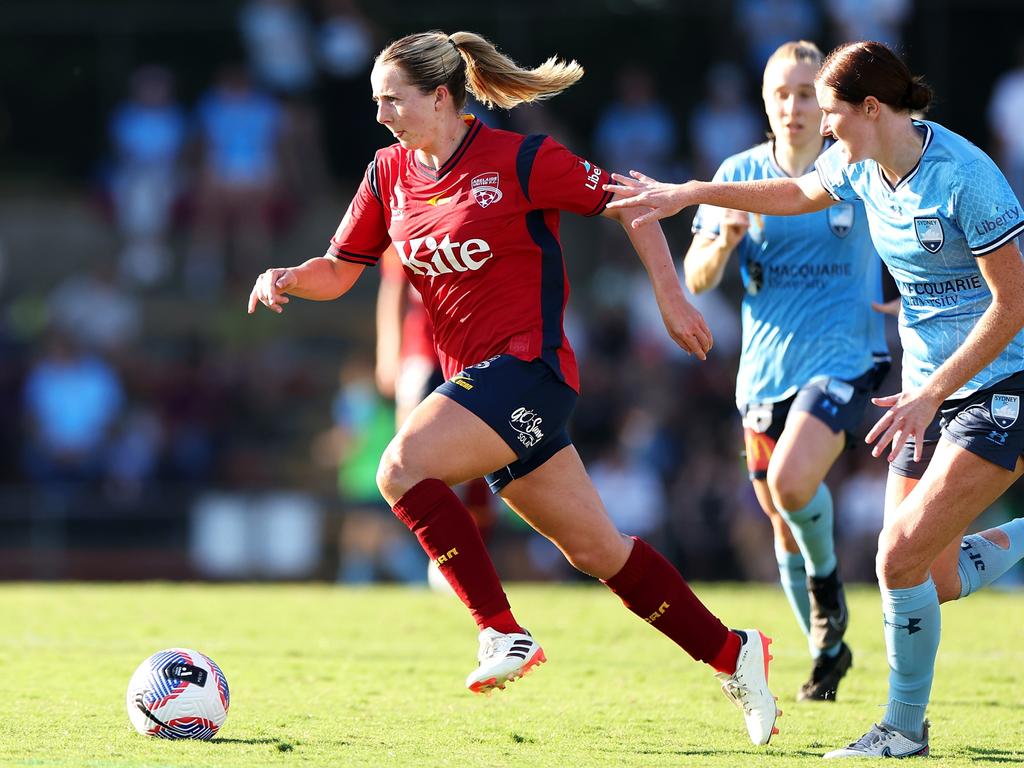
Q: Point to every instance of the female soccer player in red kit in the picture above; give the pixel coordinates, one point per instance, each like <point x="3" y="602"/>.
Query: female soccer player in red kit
<point x="473" y="214"/>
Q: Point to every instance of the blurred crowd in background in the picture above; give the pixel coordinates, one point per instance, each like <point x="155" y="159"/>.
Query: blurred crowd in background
<point x="149" y="428"/>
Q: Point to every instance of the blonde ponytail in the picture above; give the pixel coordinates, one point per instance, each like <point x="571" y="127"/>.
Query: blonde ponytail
<point x="497" y="81"/>
<point x="466" y="61"/>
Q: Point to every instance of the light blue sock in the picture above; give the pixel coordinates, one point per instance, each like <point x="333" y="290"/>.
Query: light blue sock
<point x="812" y="529"/>
<point x="912" y="628"/>
<point x="793" y="579"/>
<point x="982" y="561"/>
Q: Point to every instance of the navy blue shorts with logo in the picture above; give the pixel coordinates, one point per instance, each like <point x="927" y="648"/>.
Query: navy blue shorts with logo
<point x="524" y="402"/>
<point x="839" y="403"/>
<point x="986" y="423"/>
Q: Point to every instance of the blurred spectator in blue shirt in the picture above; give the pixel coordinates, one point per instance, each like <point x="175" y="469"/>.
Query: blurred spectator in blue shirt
<point x="72" y="401"/>
<point x="724" y="123"/>
<point x="880" y="20"/>
<point x="346" y="45"/>
<point x="1005" y="110"/>
<point x="239" y="130"/>
<point x="147" y="134"/>
<point x="767" y="24"/>
<point x="278" y="38"/>
<point x="637" y="131"/>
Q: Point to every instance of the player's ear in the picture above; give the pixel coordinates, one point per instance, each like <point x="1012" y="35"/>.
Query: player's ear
<point x="871" y="107"/>
<point x="441" y="96"/>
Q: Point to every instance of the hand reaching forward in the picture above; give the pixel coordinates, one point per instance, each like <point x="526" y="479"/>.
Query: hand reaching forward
<point x="733" y="227"/>
<point x="270" y="289"/>
<point x="908" y="416"/>
<point x="664" y="200"/>
<point x="686" y="325"/>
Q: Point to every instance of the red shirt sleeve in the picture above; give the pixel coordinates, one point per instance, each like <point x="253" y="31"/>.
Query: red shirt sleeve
<point x="362" y="235"/>
<point x="553" y="177"/>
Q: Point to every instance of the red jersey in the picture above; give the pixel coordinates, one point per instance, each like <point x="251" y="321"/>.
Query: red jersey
<point x="479" y="240"/>
<point x="417" y="332"/>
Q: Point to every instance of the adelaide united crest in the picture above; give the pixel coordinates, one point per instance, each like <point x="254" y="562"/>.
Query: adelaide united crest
<point x="485" y="189"/>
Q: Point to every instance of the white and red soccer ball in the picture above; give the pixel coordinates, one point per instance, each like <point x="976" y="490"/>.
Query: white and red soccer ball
<point x="178" y="694"/>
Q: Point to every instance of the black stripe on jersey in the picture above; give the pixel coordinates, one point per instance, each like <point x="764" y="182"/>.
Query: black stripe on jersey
<point x="355" y="258"/>
<point x="1000" y="241"/>
<point x="552" y="289"/>
<point x="524" y="160"/>
<point x="452" y="161"/>
<point x="371" y="178"/>
<point x="607" y="198"/>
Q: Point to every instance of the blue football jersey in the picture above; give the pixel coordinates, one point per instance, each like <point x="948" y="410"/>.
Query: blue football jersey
<point x="953" y="207"/>
<point x="809" y="282"/>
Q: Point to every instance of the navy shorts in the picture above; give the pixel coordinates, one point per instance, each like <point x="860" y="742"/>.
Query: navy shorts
<point x="839" y="403"/>
<point x="524" y="402"/>
<point x="986" y="423"/>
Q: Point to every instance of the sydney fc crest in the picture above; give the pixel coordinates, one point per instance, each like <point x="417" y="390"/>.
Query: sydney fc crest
<point x="485" y="189"/>
<point x="840" y="219"/>
<point x="929" y="233"/>
<point x="1005" y="409"/>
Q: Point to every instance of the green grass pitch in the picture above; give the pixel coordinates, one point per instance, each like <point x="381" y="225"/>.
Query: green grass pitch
<point x="325" y="676"/>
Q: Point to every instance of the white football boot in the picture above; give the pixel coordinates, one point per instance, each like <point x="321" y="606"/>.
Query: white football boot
<point x="882" y="741"/>
<point x="503" y="658"/>
<point x="747" y="687"/>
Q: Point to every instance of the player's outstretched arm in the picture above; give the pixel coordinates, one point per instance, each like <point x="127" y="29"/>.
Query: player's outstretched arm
<point x="320" y="279"/>
<point x="683" y="322"/>
<point x="773" y="197"/>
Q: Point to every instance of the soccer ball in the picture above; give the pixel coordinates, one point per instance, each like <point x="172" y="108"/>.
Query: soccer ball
<point x="178" y="694"/>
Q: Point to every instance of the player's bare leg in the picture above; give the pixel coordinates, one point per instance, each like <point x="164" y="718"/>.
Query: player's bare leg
<point x="920" y="534"/>
<point x="415" y="476"/>
<point x="559" y="500"/>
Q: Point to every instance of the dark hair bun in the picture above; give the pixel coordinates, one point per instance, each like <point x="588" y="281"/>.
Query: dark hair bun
<point x="919" y="95"/>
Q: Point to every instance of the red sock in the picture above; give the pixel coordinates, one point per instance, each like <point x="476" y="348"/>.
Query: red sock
<point x="451" y="539"/>
<point x="652" y="588"/>
<point x="725" y="661"/>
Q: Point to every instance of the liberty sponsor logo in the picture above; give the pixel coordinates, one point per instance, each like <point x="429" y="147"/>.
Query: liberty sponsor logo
<point x="929" y="232"/>
<point x="943" y="293"/>
<point x="485" y="189"/>
<point x="1005" y="409"/>
<point x="1010" y="216"/>
<point x="526" y="423"/>
<point x="657" y="614"/>
<point x="429" y="257"/>
<point x="840" y="219"/>
<point x="593" y="174"/>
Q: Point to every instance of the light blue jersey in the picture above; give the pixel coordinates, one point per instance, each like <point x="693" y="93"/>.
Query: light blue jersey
<point x="952" y="207"/>
<point x="809" y="282"/>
